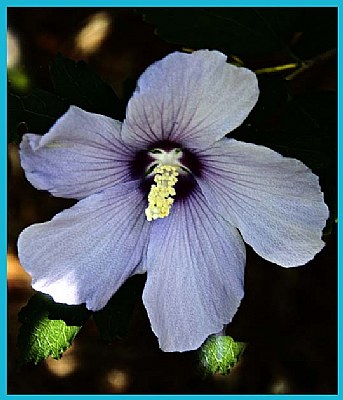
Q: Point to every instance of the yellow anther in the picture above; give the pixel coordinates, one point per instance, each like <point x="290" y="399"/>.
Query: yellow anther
<point x="159" y="197"/>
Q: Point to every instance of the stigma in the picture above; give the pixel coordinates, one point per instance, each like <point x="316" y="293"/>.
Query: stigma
<point x="160" y="197"/>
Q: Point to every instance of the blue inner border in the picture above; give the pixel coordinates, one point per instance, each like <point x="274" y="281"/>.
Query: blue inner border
<point x="339" y="275"/>
<point x="3" y="200"/>
<point x="169" y="3"/>
<point x="3" y="171"/>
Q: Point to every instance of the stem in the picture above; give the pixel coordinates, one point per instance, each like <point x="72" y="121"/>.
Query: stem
<point x="277" y="68"/>
<point x="310" y="63"/>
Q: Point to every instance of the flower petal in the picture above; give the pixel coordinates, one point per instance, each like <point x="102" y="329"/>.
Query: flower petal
<point x="195" y="274"/>
<point x="274" y="201"/>
<point x="86" y="252"/>
<point x="193" y="99"/>
<point x="81" y="154"/>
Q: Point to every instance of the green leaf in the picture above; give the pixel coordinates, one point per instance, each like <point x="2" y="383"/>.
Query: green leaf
<point x="302" y="126"/>
<point x="220" y="354"/>
<point x="75" y="83"/>
<point x="48" y="328"/>
<point x="239" y="31"/>
<point x="37" y="112"/>
<point x="19" y="79"/>
<point x="310" y="123"/>
<point x="114" y="319"/>
<point x="79" y="85"/>
<point x="14" y="117"/>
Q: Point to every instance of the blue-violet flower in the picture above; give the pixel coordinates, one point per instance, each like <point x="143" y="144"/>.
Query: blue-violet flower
<point x="166" y="193"/>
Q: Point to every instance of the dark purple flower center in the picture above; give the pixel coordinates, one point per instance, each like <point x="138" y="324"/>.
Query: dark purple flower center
<point x="144" y="162"/>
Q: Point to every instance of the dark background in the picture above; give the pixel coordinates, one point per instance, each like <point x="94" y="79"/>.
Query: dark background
<point x="288" y="316"/>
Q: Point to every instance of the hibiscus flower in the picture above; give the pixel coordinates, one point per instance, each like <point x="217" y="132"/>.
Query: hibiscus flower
<point x="166" y="193"/>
